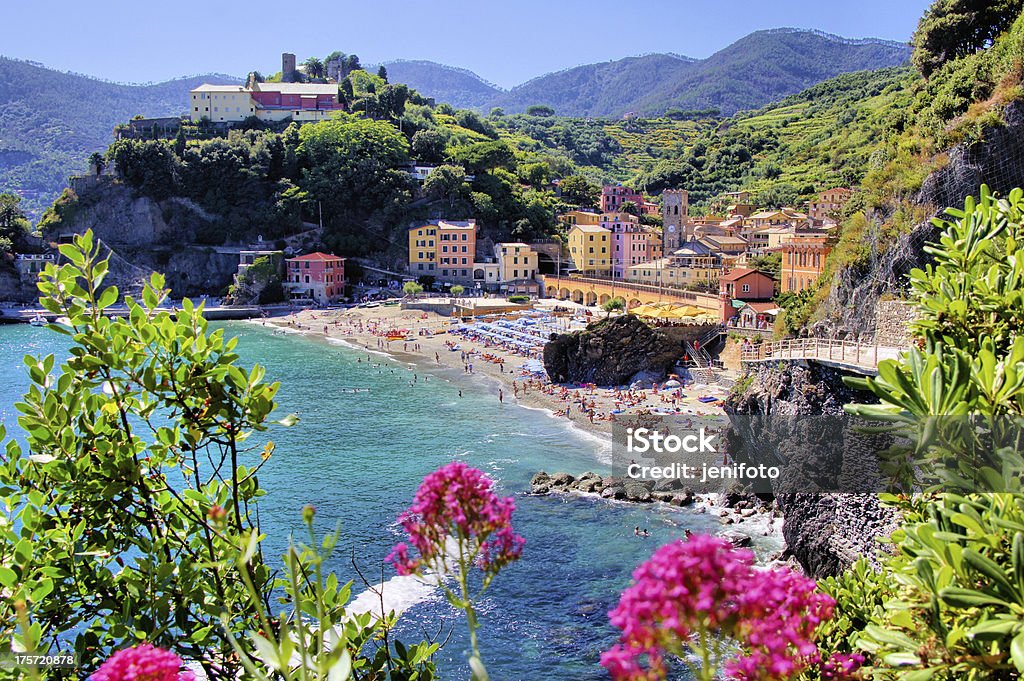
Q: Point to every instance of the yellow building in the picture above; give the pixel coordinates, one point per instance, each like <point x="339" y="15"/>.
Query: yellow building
<point x="590" y="249"/>
<point x="580" y="217"/>
<point x="516" y="261"/>
<point x="803" y="262"/>
<point x="422" y="250"/>
<point x="685" y="266"/>
<point x="303" y="102"/>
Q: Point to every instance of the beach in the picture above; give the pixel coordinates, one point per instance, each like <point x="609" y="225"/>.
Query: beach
<point x="430" y="342"/>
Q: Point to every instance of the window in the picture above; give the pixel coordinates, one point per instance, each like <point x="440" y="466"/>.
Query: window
<point x="746" y="288"/>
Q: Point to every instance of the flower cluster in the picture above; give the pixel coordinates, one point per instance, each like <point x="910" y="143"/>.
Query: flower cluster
<point x="458" y="501"/>
<point x="840" y="667"/>
<point x="698" y="593"/>
<point x="144" y="662"/>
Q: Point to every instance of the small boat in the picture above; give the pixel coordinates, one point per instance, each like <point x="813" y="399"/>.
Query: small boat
<point x="38" y="320"/>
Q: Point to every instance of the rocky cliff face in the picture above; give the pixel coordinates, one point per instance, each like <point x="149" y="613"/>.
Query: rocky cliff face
<point x="826" y="533"/>
<point x="998" y="161"/>
<point x="146" y="236"/>
<point x="617" y="351"/>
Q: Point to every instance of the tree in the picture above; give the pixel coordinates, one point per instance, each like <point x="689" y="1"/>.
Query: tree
<point x="314" y="67"/>
<point x="445" y="183"/>
<point x="97" y="162"/>
<point x="484" y="156"/>
<point x="770" y="264"/>
<point x="955" y="28"/>
<point x="541" y="110"/>
<point x="630" y="208"/>
<point x="145" y="468"/>
<point x="457" y="290"/>
<point x="350" y="165"/>
<point x="382" y="73"/>
<point x="428" y="146"/>
<point x="615" y="304"/>
<point x="496" y="112"/>
<point x="576" y="190"/>
<point x="412" y="288"/>
<point x="14" y="225"/>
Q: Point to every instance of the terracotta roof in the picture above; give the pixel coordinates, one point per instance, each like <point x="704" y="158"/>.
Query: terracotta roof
<point x="316" y="256"/>
<point x="761" y="308"/>
<point x="738" y="274"/>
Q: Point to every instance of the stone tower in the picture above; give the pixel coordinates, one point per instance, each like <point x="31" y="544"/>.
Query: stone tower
<point x="675" y="213"/>
<point x="287" y="67"/>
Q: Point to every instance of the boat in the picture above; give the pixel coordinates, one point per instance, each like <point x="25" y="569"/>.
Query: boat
<point x="38" y="320"/>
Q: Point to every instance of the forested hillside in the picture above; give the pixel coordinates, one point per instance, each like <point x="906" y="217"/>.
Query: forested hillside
<point x="51" y="121"/>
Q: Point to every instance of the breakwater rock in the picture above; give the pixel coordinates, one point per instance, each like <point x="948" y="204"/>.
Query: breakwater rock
<point x="617" y="351"/>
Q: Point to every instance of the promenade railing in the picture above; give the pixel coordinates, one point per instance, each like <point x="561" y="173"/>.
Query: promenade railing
<point x="852" y="352"/>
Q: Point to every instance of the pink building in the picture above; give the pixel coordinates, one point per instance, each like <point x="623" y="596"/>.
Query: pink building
<point x="630" y="244"/>
<point x="317" y="276"/>
<point x="612" y="198"/>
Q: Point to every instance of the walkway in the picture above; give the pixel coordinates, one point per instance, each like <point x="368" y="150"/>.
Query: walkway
<point x="843" y="354"/>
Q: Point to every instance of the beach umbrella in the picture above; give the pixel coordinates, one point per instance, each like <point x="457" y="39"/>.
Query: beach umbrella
<point x="672" y="384"/>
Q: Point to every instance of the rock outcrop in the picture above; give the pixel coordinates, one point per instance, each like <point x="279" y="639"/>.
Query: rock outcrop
<point x="617" y="351"/>
<point x="825" y="532"/>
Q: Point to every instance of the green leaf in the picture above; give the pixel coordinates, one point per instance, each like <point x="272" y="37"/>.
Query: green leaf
<point x="969" y="598"/>
<point x="1017" y="651"/>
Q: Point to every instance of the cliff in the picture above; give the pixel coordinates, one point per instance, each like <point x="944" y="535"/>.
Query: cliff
<point x="997" y="160"/>
<point x="146" y="236"/>
<point x="826" y="533"/>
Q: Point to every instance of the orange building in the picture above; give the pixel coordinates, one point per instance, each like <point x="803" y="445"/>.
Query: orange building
<point x="803" y="261"/>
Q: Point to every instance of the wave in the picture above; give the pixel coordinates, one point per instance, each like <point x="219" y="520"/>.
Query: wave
<point x="398" y="594"/>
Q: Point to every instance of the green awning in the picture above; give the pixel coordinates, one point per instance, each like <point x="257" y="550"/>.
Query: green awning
<point x="738" y="303"/>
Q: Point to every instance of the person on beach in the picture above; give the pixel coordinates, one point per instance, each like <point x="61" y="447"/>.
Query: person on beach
<point x="501" y="396"/>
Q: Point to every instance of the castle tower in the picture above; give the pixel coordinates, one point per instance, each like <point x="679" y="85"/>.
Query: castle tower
<point x="675" y="213"/>
<point x="287" y="67"/>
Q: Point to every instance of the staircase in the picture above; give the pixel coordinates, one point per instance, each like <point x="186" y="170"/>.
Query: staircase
<point x="704" y="365"/>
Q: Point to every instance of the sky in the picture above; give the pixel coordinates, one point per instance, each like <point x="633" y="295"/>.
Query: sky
<point x="504" y="41"/>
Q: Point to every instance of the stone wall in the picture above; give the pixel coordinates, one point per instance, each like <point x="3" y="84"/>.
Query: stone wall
<point x="892" y="320"/>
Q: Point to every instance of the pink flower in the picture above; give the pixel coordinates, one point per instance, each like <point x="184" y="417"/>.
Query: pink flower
<point x="458" y="501"/>
<point x="841" y="667"/>
<point x="705" y="586"/>
<point x="144" y="662"/>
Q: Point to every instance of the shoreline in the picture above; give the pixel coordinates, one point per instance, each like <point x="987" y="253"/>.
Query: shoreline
<point x="351" y="328"/>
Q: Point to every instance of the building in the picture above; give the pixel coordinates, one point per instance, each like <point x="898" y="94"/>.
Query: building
<point x="270" y="102"/>
<point x="516" y="261"/>
<point x="803" y="261"/>
<point x="445" y="249"/>
<point x="691" y="264"/>
<point x="724" y="245"/>
<point x="629" y="241"/>
<point x="740" y="286"/>
<point x="612" y="198"/>
<point x="768" y="238"/>
<point x="828" y="204"/>
<point x="675" y="217"/>
<point x="319" y="277"/>
<point x="29" y="265"/>
<point x="590" y="249"/>
<point x="579" y="217"/>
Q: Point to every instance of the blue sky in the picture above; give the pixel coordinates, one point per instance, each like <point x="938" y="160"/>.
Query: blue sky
<point x="504" y="41"/>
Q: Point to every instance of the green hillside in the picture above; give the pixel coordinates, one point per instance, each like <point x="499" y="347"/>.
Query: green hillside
<point x="51" y="121"/>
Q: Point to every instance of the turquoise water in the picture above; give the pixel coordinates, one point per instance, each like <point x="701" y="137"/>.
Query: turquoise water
<point x="358" y="457"/>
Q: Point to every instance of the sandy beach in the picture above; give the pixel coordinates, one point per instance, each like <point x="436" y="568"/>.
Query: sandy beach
<point x="588" y="407"/>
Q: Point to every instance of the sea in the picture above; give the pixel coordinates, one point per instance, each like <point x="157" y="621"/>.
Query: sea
<point x="370" y="427"/>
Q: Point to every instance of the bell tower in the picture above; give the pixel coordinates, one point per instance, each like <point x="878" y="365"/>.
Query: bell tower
<point x="675" y="212"/>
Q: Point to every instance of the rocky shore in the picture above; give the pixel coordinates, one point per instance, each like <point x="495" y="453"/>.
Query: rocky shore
<point x="735" y="508"/>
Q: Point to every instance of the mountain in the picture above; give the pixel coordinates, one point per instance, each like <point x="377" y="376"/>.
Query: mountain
<point x="51" y="121"/>
<point x="461" y="88"/>
<point x="756" y="70"/>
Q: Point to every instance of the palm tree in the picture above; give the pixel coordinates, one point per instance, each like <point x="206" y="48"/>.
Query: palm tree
<point x="314" y="67"/>
<point x="97" y="162"/>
